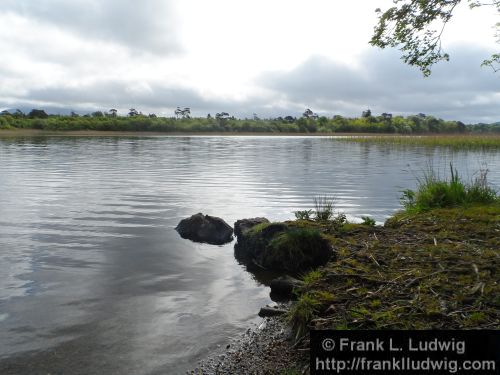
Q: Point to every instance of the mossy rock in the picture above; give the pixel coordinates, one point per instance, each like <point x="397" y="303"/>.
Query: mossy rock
<point x="243" y="226"/>
<point x="278" y="247"/>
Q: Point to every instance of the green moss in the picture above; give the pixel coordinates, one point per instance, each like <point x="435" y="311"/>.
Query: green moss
<point x="256" y="229"/>
<point x="312" y="277"/>
<point x="324" y="296"/>
<point x="291" y="371"/>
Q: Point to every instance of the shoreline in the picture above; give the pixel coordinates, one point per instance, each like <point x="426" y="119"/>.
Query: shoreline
<point x="268" y="348"/>
<point x="414" y="272"/>
<point x="21" y="132"/>
<point x="7" y="133"/>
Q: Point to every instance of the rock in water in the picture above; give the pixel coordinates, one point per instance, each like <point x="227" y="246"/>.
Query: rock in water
<point x="205" y="228"/>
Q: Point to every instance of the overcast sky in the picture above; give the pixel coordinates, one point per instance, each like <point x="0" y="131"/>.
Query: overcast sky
<point x="269" y="57"/>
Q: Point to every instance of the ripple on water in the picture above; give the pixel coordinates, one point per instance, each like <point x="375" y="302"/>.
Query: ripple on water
<point x="88" y="251"/>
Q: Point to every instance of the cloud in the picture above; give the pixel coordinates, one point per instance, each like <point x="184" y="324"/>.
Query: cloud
<point x="459" y="89"/>
<point x="100" y="54"/>
<point x="145" y="26"/>
<point x="146" y="97"/>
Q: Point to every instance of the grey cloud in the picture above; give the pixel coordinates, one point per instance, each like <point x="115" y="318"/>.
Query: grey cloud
<point x="103" y="95"/>
<point x="458" y="90"/>
<point x="385" y="84"/>
<point x="141" y="26"/>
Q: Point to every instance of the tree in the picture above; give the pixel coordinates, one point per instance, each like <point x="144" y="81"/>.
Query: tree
<point x="133" y="112"/>
<point x="178" y="111"/>
<point x="309" y="114"/>
<point x="367" y="113"/>
<point x="38" y="113"/>
<point x="97" y="114"/>
<point x="186" y="112"/>
<point x="409" y="26"/>
<point x="222" y="116"/>
<point x="113" y="112"/>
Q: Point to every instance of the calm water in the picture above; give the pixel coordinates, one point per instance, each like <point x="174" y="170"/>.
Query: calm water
<point x="93" y="277"/>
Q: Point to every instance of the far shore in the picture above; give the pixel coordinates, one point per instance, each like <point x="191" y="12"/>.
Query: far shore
<point x="7" y="133"/>
<point x="104" y="133"/>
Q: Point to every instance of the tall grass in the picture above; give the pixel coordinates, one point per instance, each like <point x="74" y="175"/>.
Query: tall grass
<point x="323" y="206"/>
<point x="433" y="192"/>
<point x="302" y="312"/>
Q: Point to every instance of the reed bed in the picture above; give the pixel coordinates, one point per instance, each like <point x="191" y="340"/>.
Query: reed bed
<point x="454" y="141"/>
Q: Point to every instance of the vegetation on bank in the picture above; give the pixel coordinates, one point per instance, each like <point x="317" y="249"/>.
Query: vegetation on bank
<point x="455" y="141"/>
<point x="434" y="265"/>
<point x="308" y="123"/>
<point x="275" y="246"/>
<point x="433" y="270"/>
<point x="434" y="192"/>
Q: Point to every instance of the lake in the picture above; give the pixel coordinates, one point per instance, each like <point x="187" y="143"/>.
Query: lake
<point x="95" y="280"/>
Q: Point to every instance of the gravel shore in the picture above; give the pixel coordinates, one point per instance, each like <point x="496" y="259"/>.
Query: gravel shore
<point x="266" y="349"/>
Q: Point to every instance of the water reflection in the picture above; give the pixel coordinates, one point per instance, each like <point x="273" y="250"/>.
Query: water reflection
<point x="90" y="263"/>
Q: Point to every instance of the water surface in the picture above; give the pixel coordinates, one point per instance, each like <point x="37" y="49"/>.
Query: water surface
<point x="93" y="277"/>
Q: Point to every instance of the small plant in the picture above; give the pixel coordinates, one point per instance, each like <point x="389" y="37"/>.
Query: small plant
<point x="368" y="221"/>
<point x="480" y="191"/>
<point x="303" y="215"/>
<point x="408" y="198"/>
<point x="302" y="312"/>
<point x="339" y="220"/>
<point x="323" y="208"/>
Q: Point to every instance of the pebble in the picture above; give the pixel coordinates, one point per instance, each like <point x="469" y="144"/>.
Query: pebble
<point x="262" y="350"/>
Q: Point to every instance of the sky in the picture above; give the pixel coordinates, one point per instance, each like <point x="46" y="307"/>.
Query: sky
<point x="272" y="58"/>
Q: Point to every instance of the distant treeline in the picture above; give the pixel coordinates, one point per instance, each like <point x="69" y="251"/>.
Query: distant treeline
<point x="99" y="121"/>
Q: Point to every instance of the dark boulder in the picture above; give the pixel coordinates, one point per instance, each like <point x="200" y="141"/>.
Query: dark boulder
<point x="285" y="285"/>
<point x="205" y="228"/>
<point x="271" y="311"/>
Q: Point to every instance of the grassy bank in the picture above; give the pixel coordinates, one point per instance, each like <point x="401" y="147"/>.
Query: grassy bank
<point x="434" y="265"/>
<point x="454" y="141"/>
<point x="432" y="268"/>
<point x="437" y="269"/>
